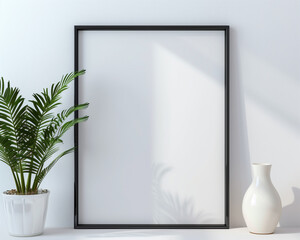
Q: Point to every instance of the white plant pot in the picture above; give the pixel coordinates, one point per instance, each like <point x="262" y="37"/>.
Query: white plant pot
<point x="26" y="214"/>
<point x="261" y="203"/>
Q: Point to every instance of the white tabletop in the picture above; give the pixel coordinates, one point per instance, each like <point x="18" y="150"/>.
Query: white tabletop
<point x="166" y="234"/>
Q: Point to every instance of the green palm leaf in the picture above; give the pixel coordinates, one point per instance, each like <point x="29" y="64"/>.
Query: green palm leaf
<point x="30" y="134"/>
<point x="40" y="177"/>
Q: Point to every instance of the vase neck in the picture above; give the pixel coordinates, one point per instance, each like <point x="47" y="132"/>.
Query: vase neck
<point x="261" y="171"/>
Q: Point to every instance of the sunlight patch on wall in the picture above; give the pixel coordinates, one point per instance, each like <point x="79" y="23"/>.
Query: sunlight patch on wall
<point x="189" y="104"/>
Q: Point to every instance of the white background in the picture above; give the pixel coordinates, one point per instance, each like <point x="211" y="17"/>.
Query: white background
<point x="36" y="48"/>
<point x="155" y="136"/>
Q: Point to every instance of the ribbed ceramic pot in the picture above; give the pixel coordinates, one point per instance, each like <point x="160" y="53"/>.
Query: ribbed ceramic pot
<point x="26" y="214"/>
<point x="261" y="204"/>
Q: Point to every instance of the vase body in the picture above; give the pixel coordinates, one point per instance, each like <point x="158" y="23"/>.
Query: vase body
<point x="261" y="204"/>
<point x="26" y="214"/>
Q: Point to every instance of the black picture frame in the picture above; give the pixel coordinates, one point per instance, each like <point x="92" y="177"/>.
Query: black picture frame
<point x="225" y="29"/>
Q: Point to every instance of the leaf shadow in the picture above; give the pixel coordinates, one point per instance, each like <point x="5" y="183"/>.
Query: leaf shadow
<point x="170" y="208"/>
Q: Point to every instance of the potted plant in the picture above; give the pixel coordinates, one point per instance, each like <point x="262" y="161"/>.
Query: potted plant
<point x="29" y="137"/>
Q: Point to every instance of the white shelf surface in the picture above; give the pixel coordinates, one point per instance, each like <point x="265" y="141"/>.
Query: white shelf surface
<point x="165" y="234"/>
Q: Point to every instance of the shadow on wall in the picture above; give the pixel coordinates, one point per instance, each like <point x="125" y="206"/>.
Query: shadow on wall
<point x="170" y="208"/>
<point x="291" y="213"/>
<point x="240" y="168"/>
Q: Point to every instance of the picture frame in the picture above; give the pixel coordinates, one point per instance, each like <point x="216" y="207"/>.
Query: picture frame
<point x="133" y="126"/>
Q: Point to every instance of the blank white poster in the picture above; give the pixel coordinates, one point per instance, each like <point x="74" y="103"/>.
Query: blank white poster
<point x="152" y="151"/>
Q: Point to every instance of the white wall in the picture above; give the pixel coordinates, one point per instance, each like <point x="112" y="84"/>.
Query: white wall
<point x="36" y="48"/>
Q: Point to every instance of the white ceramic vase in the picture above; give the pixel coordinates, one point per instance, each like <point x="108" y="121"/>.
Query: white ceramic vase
<point x="26" y="214"/>
<point x="261" y="204"/>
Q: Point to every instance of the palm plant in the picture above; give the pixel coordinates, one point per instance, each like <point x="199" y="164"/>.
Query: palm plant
<point x="30" y="134"/>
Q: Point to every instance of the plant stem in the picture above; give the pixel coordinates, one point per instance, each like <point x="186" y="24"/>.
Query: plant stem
<point x="35" y="181"/>
<point x="17" y="182"/>
<point x="22" y="179"/>
<point x="28" y="182"/>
